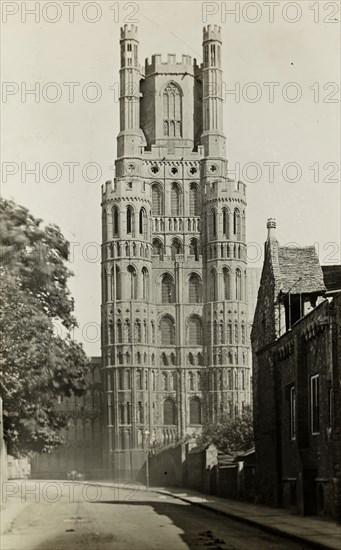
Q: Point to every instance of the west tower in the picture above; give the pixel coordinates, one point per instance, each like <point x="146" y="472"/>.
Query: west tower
<point x="174" y="312"/>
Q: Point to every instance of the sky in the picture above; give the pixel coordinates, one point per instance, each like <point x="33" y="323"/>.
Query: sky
<point x="281" y="119"/>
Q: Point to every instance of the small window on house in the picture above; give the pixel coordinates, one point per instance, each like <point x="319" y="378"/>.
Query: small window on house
<point x="292" y="404"/>
<point x="315" y="404"/>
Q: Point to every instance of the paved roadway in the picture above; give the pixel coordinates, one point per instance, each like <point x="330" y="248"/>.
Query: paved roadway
<point x="51" y="515"/>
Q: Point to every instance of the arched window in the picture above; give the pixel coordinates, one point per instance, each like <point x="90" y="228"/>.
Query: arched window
<point x="127" y="331"/>
<point x="104" y="226"/>
<point x="156" y="200"/>
<point x="213" y="223"/>
<point x="191" y="380"/>
<point x="119" y="331"/>
<point x="172" y="118"/>
<point x="213" y="290"/>
<point x="194" y="289"/>
<point x="122" y="415"/>
<point x="236" y="333"/>
<point x="138" y="331"/>
<point x="139" y="412"/>
<point x="221" y="332"/>
<point x="176" y="248"/>
<point x="145" y="284"/>
<point x="175" y="200"/>
<point x="243" y="379"/>
<point x="142" y="221"/>
<point x="215" y="333"/>
<point x="127" y="379"/>
<point x="238" y="284"/>
<point x="167" y="289"/>
<point x="130" y="219"/>
<point x="158" y="248"/>
<point x="194" y="249"/>
<point x="164" y="359"/>
<point x="193" y="200"/>
<point x="227" y="283"/>
<point x="139" y="379"/>
<point x="194" y="331"/>
<point x="132" y="282"/>
<point x="195" y="411"/>
<point x="114" y="219"/>
<point x="236" y="224"/>
<point x="116" y="288"/>
<point x="243" y="333"/>
<point x="105" y="285"/>
<point x="167" y="331"/>
<point x="229" y="332"/>
<point x="153" y="332"/>
<point x="226" y="223"/>
<point x="145" y="332"/>
<point x="168" y="412"/>
<point x="191" y="358"/>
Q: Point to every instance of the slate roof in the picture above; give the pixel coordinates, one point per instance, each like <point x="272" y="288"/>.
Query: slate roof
<point x="332" y="277"/>
<point x="295" y="263"/>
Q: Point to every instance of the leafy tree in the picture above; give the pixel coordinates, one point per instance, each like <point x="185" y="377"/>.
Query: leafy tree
<point x="37" y="365"/>
<point x="231" y="436"/>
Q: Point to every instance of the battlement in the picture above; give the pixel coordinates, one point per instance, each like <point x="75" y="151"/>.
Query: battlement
<point x="129" y="32"/>
<point x="212" y="32"/>
<point x="171" y="64"/>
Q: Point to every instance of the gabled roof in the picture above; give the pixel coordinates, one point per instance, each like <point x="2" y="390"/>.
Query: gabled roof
<point x="295" y="263"/>
<point x="332" y="277"/>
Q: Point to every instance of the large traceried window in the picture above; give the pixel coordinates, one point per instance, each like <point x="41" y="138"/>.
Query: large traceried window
<point x="195" y="411"/>
<point x="114" y="219"/>
<point x="226" y="223"/>
<point x="175" y="200"/>
<point x="176" y="248"/>
<point x="238" y="284"/>
<point x="158" y="248"/>
<point x="156" y="200"/>
<point x="213" y="287"/>
<point x="194" y="331"/>
<point x="130" y="220"/>
<point x="227" y="283"/>
<point x="236" y="224"/>
<point x="167" y="331"/>
<point x="145" y="284"/>
<point x="172" y="117"/>
<point x="193" y="200"/>
<point x="132" y="282"/>
<point x="194" y="249"/>
<point x="168" y="412"/>
<point x="167" y="289"/>
<point x="194" y="289"/>
<point x="142" y="222"/>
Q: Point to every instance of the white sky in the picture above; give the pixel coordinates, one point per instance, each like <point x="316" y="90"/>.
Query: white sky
<point x="306" y="132"/>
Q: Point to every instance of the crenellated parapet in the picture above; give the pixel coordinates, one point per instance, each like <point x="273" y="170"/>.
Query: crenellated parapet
<point x="212" y="32"/>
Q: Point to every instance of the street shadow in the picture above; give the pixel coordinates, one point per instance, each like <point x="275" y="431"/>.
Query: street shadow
<point x="198" y="528"/>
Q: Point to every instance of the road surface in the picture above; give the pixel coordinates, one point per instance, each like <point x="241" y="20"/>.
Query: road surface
<point x="57" y="515"/>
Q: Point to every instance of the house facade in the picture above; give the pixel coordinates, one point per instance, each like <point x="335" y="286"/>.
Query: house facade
<point x="296" y="350"/>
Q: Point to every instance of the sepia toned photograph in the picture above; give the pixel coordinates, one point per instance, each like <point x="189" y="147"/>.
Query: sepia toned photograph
<point x="170" y="264"/>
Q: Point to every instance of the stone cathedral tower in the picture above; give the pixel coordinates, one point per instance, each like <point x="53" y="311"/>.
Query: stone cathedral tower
<point x="174" y="312"/>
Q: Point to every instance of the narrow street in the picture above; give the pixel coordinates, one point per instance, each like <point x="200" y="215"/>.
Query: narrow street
<point x="53" y="515"/>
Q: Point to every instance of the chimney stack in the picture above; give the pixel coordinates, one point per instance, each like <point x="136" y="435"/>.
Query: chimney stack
<point x="271" y="227"/>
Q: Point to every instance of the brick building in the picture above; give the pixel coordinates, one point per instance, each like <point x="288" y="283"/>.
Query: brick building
<point x="174" y="311"/>
<point x="296" y="350"/>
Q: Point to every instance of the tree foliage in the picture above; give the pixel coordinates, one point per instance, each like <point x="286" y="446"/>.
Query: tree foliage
<point x="231" y="436"/>
<point x="37" y="364"/>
